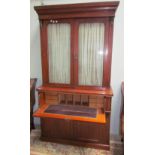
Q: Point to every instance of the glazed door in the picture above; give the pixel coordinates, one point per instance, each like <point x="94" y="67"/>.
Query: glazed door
<point x="59" y="53"/>
<point x="90" y="53"/>
<point x="75" y="53"/>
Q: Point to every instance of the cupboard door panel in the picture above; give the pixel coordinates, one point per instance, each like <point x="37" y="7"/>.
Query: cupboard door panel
<point x="91" y="45"/>
<point x="56" y="128"/>
<point x="59" y="52"/>
<point x="89" y="132"/>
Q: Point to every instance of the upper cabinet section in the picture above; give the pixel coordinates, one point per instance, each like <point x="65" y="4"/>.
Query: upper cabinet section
<point x="76" y="44"/>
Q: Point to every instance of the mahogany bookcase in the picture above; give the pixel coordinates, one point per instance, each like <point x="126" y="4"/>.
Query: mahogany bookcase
<point x="75" y="97"/>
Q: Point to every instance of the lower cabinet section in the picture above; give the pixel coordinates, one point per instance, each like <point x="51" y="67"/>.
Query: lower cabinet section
<point x="74" y="132"/>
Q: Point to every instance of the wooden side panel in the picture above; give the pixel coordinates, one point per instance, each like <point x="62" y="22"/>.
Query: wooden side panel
<point x="44" y="53"/>
<point x="108" y="50"/>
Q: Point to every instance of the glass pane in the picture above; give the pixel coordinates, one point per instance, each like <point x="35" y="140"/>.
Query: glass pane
<point x="91" y="45"/>
<point x="59" y="53"/>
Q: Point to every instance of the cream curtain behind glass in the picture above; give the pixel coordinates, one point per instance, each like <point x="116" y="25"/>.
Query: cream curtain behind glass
<point x="59" y="53"/>
<point x="91" y="42"/>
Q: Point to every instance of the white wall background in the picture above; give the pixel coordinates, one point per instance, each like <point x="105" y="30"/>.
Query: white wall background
<point x="117" y="74"/>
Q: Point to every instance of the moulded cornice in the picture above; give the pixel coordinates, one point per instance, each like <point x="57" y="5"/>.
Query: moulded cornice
<point x="97" y="9"/>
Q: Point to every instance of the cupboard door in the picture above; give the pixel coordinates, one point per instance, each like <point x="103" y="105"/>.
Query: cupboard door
<point x="89" y="132"/>
<point x="59" y="52"/>
<point x="91" y="51"/>
<point x="56" y="128"/>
